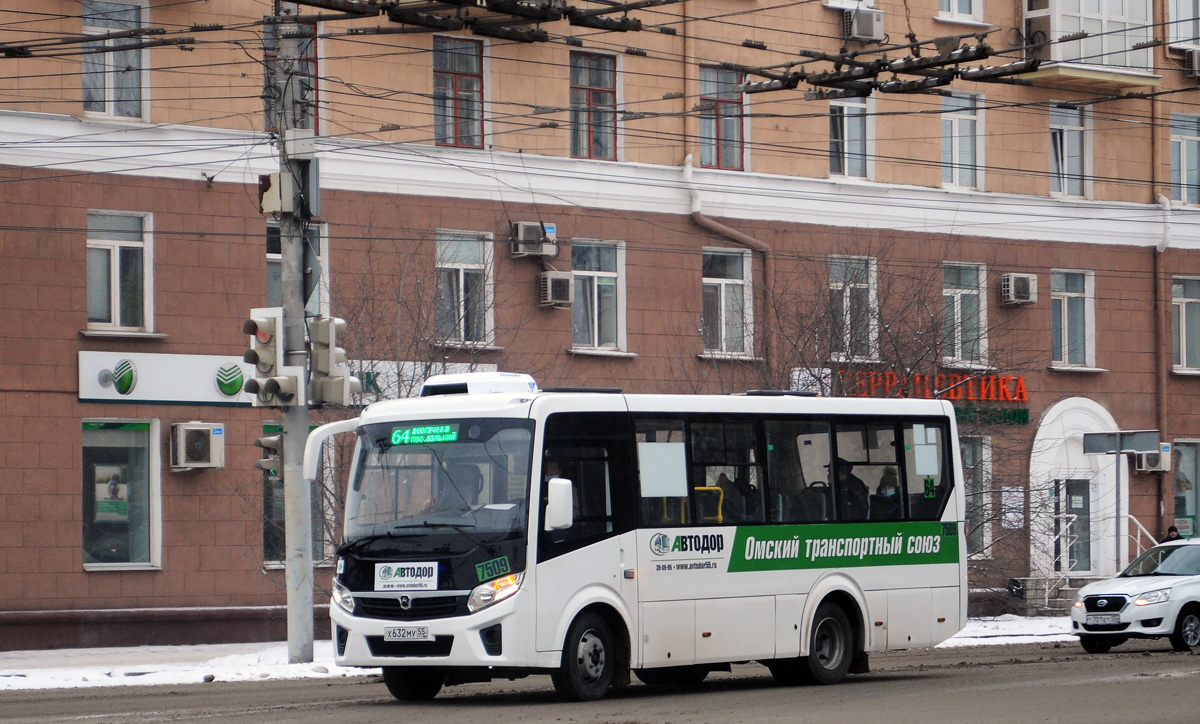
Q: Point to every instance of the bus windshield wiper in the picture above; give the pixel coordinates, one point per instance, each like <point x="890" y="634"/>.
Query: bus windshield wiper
<point x="462" y="530"/>
<point x="359" y="543"/>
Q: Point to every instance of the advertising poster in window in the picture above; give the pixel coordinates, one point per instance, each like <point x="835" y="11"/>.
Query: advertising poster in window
<point x="112" y="493"/>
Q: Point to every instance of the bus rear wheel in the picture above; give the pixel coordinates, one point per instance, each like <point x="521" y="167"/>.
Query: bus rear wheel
<point x="412" y="684"/>
<point x="830" y="646"/>
<point x="588" y="660"/>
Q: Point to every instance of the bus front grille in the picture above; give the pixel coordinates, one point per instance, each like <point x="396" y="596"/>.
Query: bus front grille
<point x="419" y="608"/>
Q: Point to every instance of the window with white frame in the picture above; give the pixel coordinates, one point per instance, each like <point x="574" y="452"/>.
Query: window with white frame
<point x="721" y="117"/>
<point x="960" y="140"/>
<point x="1185" y="322"/>
<point x="964" y="336"/>
<point x="121" y="507"/>
<point x="1071" y="337"/>
<point x="112" y="77"/>
<point x="961" y="9"/>
<point x="593" y="106"/>
<point x="1185" y="158"/>
<point x="118" y="271"/>
<point x="1113" y="33"/>
<point x="458" y="91"/>
<point x="1184" y="22"/>
<point x="852" y="307"/>
<point x="848" y="137"/>
<point x="597" y="316"/>
<point x="977" y="488"/>
<point x="318" y="298"/>
<point x="274" y="517"/>
<point x="463" y="309"/>
<point x="1067" y="151"/>
<point x="726" y="321"/>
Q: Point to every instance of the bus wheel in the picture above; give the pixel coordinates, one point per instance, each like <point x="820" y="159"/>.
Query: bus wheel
<point x="830" y="646"/>
<point x="673" y="676"/>
<point x="1187" y="630"/>
<point x="588" y="660"/>
<point x="412" y="684"/>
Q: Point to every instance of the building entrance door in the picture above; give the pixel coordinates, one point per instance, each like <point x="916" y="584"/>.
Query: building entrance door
<point x="1073" y="526"/>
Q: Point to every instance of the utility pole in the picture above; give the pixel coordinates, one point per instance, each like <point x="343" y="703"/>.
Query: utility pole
<point x="291" y="109"/>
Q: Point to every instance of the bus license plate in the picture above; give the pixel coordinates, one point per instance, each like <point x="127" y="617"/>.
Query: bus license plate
<point x="407" y="633"/>
<point x="1101" y="619"/>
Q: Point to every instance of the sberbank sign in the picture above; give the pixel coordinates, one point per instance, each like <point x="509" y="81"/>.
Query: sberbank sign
<point x="774" y="548"/>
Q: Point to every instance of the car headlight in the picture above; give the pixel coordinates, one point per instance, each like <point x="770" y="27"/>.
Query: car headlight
<point x="1162" y="595"/>
<point x="1078" y="601"/>
<point x="485" y="594"/>
<point x="343" y="597"/>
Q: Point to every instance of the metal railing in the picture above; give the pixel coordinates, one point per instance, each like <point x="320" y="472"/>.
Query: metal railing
<point x="1137" y="536"/>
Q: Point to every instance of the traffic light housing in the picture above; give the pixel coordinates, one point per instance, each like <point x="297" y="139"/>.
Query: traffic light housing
<point x="272" y="460"/>
<point x="331" y="381"/>
<point x="273" y="384"/>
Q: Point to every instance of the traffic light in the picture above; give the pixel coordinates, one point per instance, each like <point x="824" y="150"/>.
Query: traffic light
<point x="272" y="461"/>
<point x="331" y="381"/>
<point x="273" y="384"/>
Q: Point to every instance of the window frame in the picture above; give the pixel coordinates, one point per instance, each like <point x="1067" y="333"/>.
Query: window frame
<point x="746" y="282"/>
<point x="619" y="277"/>
<point x="322" y="490"/>
<point x="952" y="147"/>
<point x="713" y="107"/>
<point x="154" y="503"/>
<point x="113" y="247"/>
<point x="321" y="294"/>
<point x="1185" y="158"/>
<point x="1178" y="20"/>
<point x="1099" y="47"/>
<point x="454" y="98"/>
<point x="1088" y="295"/>
<point x="958" y="293"/>
<point x="1062" y="180"/>
<point x="1179" y="322"/>
<point x="985" y="495"/>
<point x="952" y="10"/>
<point x="847" y="321"/>
<point x="488" y="267"/>
<point x="143" y="86"/>
<point x="591" y="109"/>
<point x="844" y="155"/>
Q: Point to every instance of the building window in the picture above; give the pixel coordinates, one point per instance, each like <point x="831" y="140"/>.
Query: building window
<point x="112" y="79"/>
<point x="458" y="92"/>
<point x="964" y="338"/>
<point x="1184" y="22"/>
<point x="593" y="106"/>
<point x="597" y="314"/>
<point x="318" y="298"/>
<point x="725" y="325"/>
<point x="720" y="118"/>
<point x="121" y="509"/>
<point x="976" y="476"/>
<point x="306" y="75"/>
<point x="1185" y="158"/>
<point x="463" y="308"/>
<point x="1186" y="469"/>
<point x="960" y="141"/>
<point x="961" y="9"/>
<point x="1067" y="149"/>
<point x="118" y="269"/>
<point x="852" y="307"/>
<point x="848" y="137"/>
<point x="274" y="507"/>
<point x="1185" y="322"/>
<point x="1071" y="334"/>
<point x="1111" y="33"/>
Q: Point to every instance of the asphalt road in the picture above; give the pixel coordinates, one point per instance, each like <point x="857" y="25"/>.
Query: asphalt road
<point x="1137" y="682"/>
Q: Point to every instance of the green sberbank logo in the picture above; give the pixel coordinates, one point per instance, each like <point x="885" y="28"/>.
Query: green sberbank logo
<point x="229" y="379"/>
<point x="122" y="377"/>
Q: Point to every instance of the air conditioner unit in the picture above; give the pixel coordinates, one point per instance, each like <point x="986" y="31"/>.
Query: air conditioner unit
<point x="1191" y="63"/>
<point x="556" y="289"/>
<point x="864" y="24"/>
<point x="1152" y="462"/>
<point x="1018" y="288"/>
<point x="197" y="445"/>
<point x="534" y="238"/>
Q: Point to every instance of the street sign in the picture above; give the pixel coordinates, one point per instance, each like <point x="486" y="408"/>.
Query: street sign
<point x="1130" y="441"/>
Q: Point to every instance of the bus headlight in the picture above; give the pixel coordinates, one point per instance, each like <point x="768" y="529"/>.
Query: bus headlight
<point x="343" y="597"/>
<point x="491" y="592"/>
<point x="1162" y="595"/>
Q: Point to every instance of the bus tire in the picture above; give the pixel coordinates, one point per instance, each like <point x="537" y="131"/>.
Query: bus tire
<point x="673" y="676"/>
<point x="413" y="684"/>
<point x="588" y="660"/>
<point x="830" y="646"/>
<point x="1187" y="630"/>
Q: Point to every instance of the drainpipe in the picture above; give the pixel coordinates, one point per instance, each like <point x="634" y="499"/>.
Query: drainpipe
<point x="1161" y="344"/>
<point x="737" y="237"/>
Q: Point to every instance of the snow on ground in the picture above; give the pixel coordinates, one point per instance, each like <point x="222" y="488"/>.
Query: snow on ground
<point x="153" y="665"/>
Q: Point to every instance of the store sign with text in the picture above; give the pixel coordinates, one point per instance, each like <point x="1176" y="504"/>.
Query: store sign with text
<point x="963" y="389"/>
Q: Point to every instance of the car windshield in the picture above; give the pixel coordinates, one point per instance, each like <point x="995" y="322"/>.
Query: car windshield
<point x="1176" y="560"/>
<point x="469" y="476"/>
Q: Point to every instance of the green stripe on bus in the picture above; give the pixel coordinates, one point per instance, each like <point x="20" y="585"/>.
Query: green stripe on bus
<point x="793" y="547"/>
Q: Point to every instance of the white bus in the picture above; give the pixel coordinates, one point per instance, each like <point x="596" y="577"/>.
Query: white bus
<point x="591" y="535"/>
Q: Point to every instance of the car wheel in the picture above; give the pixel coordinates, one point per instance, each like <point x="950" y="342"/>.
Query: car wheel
<point x="588" y="660"/>
<point x="1096" y="644"/>
<point x="673" y="676"/>
<point x="411" y="684"/>
<point x="1187" y="630"/>
<point x="830" y="647"/>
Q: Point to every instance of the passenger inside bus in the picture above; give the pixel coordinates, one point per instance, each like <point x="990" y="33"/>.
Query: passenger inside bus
<point x="852" y="492"/>
<point x="461" y="485"/>
<point x="885" y="502"/>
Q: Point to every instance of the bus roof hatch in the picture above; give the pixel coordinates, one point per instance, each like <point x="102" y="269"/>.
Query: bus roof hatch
<point x="478" y="383"/>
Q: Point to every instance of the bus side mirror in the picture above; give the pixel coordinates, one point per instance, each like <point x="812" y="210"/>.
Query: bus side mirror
<point x="560" y="504"/>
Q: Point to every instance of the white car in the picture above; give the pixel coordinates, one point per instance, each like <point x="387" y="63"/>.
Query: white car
<point x="1157" y="595"/>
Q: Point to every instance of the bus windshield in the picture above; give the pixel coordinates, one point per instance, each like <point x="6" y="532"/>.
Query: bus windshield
<point x="464" y="475"/>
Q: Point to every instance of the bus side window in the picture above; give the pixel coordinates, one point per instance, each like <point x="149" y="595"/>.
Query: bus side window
<point x="797" y="471"/>
<point x="726" y="474"/>
<point x="662" y="471"/>
<point x="928" y="484"/>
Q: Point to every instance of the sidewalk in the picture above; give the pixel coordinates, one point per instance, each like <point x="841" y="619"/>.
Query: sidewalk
<point x="153" y="665"/>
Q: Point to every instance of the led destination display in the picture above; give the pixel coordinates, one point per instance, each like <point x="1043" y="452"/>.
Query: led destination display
<point x="425" y="434"/>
